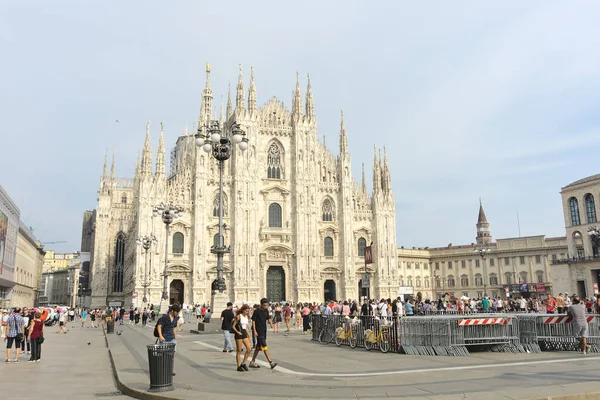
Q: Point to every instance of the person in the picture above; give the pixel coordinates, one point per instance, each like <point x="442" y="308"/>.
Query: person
<point x="15" y="334"/>
<point x="83" y="317"/>
<point x="409" y="308"/>
<point x="560" y="303"/>
<point x="550" y="305"/>
<point x="93" y="318"/>
<point x="277" y="318"/>
<point x="287" y="316"/>
<point x="241" y="328"/>
<point x="305" y="319"/>
<point x="144" y="317"/>
<point x="167" y="325"/>
<point x="36" y="332"/>
<point x="259" y="327"/>
<point x="226" y="318"/>
<point x="26" y="343"/>
<point x="62" y="320"/>
<point x="580" y="326"/>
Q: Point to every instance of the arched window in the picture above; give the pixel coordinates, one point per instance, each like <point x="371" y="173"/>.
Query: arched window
<point x="574" y="207"/>
<point x="216" y="205"/>
<point x="493" y="280"/>
<point x="590" y="208"/>
<point x="540" y="276"/>
<point x="508" y="278"/>
<point x="426" y="282"/>
<point x="178" y="243"/>
<point x="418" y="282"/>
<point x="401" y="280"/>
<point x="478" y="280"/>
<point x="523" y="277"/>
<point x="327" y="210"/>
<point x="362" y="243"/>
<point x="119" y="263"/>
<point x="275" y="216"/>
<point x="464" y="280"/>
<point x="274" y="164"/>
<point x="409" y="281"/>
<point x="451" y="281"/>
<point x="124" y="198"/>
<point x="328" y="247"/>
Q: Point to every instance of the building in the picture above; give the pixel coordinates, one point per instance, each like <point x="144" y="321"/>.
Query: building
<point x="58" y="261"/>
<point x="28" y="268"/>
<point x="578" y="271"/>
<point x="87" y="244"/>
<point x="296" y="221"/>
<point x="9" y="231"/>
<point x="507" y="267"/>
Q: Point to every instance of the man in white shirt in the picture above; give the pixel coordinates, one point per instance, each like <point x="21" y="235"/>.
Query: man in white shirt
<point x="523" y="304"/>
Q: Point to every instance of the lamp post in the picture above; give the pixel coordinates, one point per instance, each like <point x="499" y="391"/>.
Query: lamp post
<point x="594" y="234"/>
<point x="168" y="213"/>
<point x="220" y="144"/>
<point x="146" y="242"/>
<point x="482" y="251"/>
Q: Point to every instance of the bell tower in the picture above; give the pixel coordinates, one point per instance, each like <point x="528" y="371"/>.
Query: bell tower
<point x="483" y="228"/>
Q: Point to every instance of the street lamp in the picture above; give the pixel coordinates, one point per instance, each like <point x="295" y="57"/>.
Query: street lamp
<point x="482" y="251"/>
<point x="168" y="213"/>
<point x="594" y="234"/>
<point x="146" y="242"/>
<point x="220" y="144"/>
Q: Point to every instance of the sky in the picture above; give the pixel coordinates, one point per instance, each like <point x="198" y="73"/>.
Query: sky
<point x="490" y="100"/>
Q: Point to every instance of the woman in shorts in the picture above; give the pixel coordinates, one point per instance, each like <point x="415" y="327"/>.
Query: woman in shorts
<point x="241" y="328"/>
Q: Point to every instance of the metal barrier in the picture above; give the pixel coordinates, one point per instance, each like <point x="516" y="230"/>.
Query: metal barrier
<point x="556" y="332"/>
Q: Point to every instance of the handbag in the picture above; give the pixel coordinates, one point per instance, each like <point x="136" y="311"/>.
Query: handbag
<point x="19" y="337"/>
<point x="41" y="340"/>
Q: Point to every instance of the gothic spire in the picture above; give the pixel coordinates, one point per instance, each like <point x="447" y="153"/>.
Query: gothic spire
<point x="343" y="137"/>
<point x="206" y="110"/>
<point x="252" y="92"/>
<point x="297" y="108"/>
<point x="376" y="172"/>
<point x="364" y="181"/>
<point x="310" y="105"/>
<point x="147" y="154"/>
<point x="221" y="115"/>
<point x="112" y="168"/>
<point x="160" y="153"/>
<point x="386" y="176"/>
<point x="105" y="169"/>
<point x="239" y="98"/>
<point x="229" y="107"/>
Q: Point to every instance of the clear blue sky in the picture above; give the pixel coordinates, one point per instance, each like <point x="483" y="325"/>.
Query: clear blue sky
<point x="491" y="99"/>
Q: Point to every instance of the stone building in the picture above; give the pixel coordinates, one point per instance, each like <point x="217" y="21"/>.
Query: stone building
<point x="28" y="268"/>
<point x="513" y="266"/>
<point x="579" y="270"/>
<point x="295" y="219"/>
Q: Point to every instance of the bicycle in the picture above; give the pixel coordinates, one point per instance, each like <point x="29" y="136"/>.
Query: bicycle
<point x="327" y="333"/>
<point x="347" y="334"/>
<point x="372" y="339"/>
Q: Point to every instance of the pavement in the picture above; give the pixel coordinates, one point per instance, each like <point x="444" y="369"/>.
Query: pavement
<point x="69" y="368"/>
<point x="308" y="370"/>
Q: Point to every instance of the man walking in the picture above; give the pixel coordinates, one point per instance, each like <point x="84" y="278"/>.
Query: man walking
<point x="15" y="334"/>
<point x="259" y="328"/>
<point x="580" y="325"/>
<point x="226" y="319"/>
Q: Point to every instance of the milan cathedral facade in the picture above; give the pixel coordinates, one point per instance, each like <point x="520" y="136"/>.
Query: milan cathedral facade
<point x="295" y="220"/>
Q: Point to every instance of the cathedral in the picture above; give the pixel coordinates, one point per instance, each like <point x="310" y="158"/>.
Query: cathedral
<point x="296" y="221"/>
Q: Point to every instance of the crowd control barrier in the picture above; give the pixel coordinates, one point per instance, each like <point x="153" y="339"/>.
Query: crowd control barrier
<point x="459" y="335"/>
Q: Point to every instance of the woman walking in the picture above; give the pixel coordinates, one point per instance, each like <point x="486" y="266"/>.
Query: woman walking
<point x="241" y="328"/>
<point x="277" y="318"/>
<point x="36" y="337"/>
<point x="144" y="317"/>
<point x="305" y="319"/>
<point x="137" y="316"/>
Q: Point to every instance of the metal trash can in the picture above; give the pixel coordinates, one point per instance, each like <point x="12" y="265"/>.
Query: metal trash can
<point x="110" y="326"/>
<point x="160" y="360"/>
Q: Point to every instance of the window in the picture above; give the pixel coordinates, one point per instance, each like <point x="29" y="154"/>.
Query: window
<point x="540" y="276"/>
<point x="493" y="280"/>
<point x="426" y="281"/>
<point x="408" y="265"/>
<point x="328" y="247"/>
<point x="463" y="264"/>
<point x="522" y="277"/>
<point x="275" y="216"/>
<point x="449" y="264"/>
<point x="491" y="262"/>
<point x="464" y="280"/>
<point x="401" y="280"/>
<point x="507" y="278"/>
<point x="506" y="260"/>
<point x="119" y="263"/>
<point x="437" y="265"/>
<point x="438" y="282"/>
<point x="418" y="282"/>
<point x="477" y="263"/>
<point x="479" y="295"/>
<point x="574" y="208"/>
<point x="538" y="259"/>
<point x="274" y="162"/>
<point x="417" y="265"/>
<point x="451" y="281"/>
<point x="124" y="198"/>
<point x="478" y="280"/>
<point x="327" y="210"/>
<point x="522" y="260"/>
<point x="178" y="243"/>
<point x="409" y="281"/>
<point x="554" y="258"/>
<point x="362" y="243"/>
<point x="216" y="205"/>
<point x="590" y="208"/>
<point x="426" y="266"/>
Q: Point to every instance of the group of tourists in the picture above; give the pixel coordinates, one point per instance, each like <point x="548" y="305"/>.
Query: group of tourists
<point x="23" y="330"/>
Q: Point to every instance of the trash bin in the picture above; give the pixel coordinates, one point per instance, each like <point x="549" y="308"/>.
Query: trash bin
<point x="160" y="360"/>
<point x="110" y="326"/>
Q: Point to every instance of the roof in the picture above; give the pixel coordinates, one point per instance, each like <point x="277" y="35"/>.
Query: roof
<point x="481" y="219"/>
<point x="584" y="180"/>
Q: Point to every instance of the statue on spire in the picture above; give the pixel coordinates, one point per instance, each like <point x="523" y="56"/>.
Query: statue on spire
<point x="239" y="98"/>
<point x="297" y="102"/>
<point x="252" y="92"/>
<point x="310" y="105"/>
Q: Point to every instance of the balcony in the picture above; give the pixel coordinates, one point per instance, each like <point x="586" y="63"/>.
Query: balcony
<point x="576" y="260"/>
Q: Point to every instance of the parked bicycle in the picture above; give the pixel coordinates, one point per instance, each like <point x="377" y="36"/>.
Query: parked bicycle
<point x="378" y="338"/>
<point x="327" y="332"/>
<point x="347" y="333"/>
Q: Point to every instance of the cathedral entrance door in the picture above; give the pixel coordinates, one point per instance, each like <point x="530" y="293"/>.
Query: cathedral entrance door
<point x="176" y="292"/>
<point x="329" y="289"/>
<point x="275" y="284"/>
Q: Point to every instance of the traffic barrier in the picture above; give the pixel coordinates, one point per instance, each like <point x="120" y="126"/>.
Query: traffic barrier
<point x="557" y="332"/>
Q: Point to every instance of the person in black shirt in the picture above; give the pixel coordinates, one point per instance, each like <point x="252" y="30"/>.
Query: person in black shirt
<point x="259" y="328"/>
<point x="226" y="318"/>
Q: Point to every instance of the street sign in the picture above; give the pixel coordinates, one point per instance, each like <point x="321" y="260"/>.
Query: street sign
<point x="368" y="255"/>
<point x="365" y="281"/>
